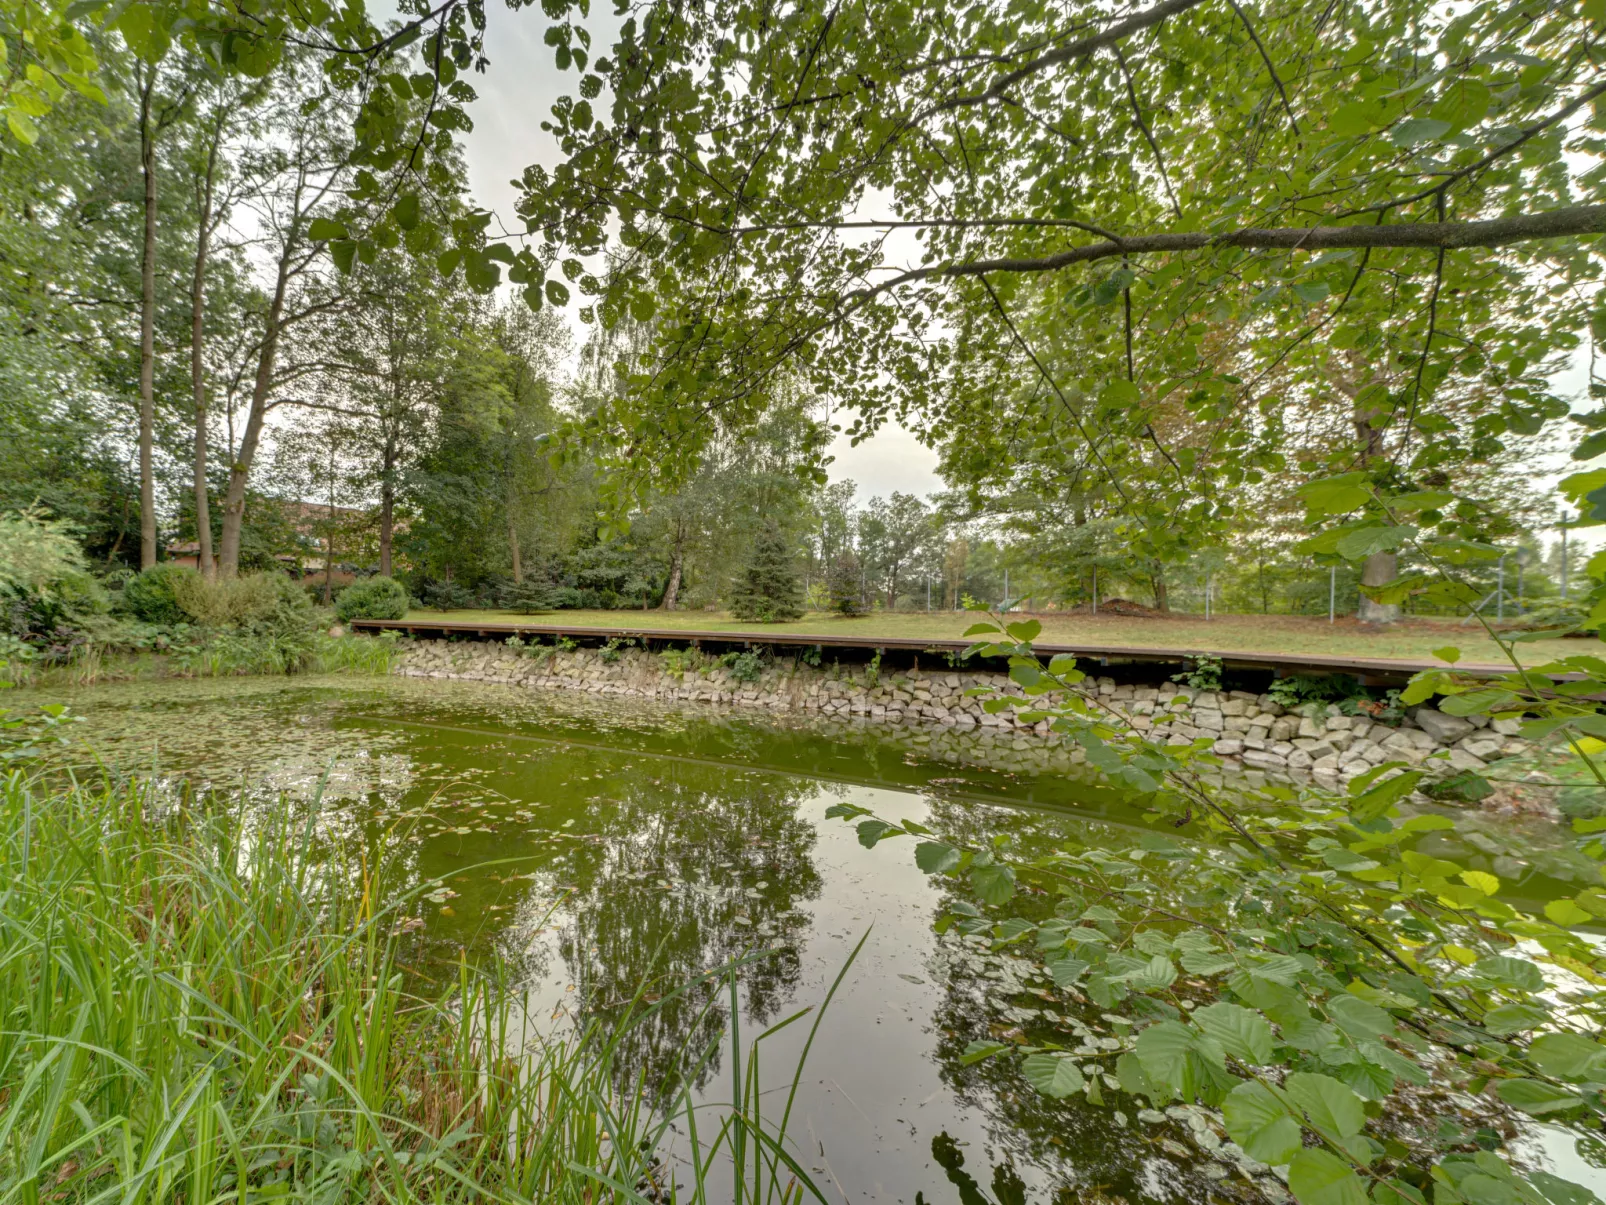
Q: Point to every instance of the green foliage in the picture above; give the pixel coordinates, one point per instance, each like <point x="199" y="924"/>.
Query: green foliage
<point x="767" y="590"/>
<point x="744" y="667"/>
<point x="1203" y="673"/>
<point x="842" y="585"/>
<point x="1298" y="961"/>
<point x="153" y="596"/>
<point x="373" y="598"/>
<point x="306" y="1053"/>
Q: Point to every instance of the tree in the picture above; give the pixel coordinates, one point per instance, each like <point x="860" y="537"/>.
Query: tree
<point x="1173" y="189"/>
<point x="896" y="540"/>
<point x="843" y="584"/>
<point x="767" y="590"/>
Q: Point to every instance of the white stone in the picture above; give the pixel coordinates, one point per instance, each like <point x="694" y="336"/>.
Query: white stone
<point x="1444" y="729"/>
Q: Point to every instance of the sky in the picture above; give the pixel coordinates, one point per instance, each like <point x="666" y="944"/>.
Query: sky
<point x="516" y="94"/>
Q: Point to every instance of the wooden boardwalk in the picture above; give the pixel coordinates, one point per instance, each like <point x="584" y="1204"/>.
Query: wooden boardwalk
<point x="1373" y="670"/>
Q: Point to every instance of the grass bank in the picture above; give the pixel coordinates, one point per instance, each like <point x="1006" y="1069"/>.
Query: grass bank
<point x="210" y="1006"/>
<point x="1411" y="639"/>
<point x="221" y="655"/>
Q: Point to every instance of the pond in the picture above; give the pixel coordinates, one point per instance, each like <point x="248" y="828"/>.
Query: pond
<point x="606" y="849"/>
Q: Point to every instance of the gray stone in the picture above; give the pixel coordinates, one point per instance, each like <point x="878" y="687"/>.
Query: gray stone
<point x="1228" y="747"/>
<point x="1444" y="729"/>
<point x="1461" y="759"/>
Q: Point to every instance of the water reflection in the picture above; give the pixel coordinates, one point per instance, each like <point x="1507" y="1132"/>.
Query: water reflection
<point x="608" y="849"/>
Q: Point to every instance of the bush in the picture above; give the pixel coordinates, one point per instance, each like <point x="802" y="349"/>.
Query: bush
<point x="152" y="596"/>
<point x="228" y="602"/>
<point x="375" y="598"/>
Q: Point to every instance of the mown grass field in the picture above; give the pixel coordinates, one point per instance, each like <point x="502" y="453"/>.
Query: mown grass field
<point x="1412" y="639"/>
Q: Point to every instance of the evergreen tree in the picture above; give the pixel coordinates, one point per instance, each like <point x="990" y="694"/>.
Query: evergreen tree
<point x="767" y="590"/>
<point x="842" y="585"/>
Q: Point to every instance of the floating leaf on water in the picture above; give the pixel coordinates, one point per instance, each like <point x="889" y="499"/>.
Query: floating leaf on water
<point x="910" y="978"/>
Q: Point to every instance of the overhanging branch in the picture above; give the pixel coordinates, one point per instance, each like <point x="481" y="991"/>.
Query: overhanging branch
<point x="1495" y="232"/>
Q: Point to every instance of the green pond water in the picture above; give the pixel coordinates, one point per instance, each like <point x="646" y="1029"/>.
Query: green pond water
<point x="603" y="845"/>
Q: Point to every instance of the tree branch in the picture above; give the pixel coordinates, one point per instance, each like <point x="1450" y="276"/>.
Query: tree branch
<point x="1556" y="223"/>
<point x="1065" y="54"/>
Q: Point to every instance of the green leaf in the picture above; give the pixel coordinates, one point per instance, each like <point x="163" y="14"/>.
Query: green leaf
<point x="323" y="229"/>
<point x="344" y="253"/>
<point x="1535" y="1096"/>
<point x="1418" y="130"/>
<point x="1358" y="1018"/>
<point x="1157" y="974"/>
<point x="556" y="293"/>
<point x="1377" y="800"/>
<point x="1567" y="1055"/>
<point x="975" y="1052"/>
<point x="1066" y="971"/>
<point x="1318" y="1177"/>
<point x="1335" y="495"/>
<point x="1237" y="1030"/>
<point x="871" y="831"/>
<point x="936" y="857"/>
<point x="1258" y="1121"/>
<point x="1567" y="913"/>
<point x="993" y="884"/>
<point x="407" y="211"/>
<point x="1517" y="973"/>
<point x="1561" y="1192"/>
<point x="1514" y="1018"/>
<point x="1593" y="445"/>
<point x="1056" y="1076"/>
<point x="1358" y="545"/>
<point x="1331" y="1106"/>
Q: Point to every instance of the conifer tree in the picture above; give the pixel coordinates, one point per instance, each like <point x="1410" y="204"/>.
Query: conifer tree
<point x="767" y="590"/>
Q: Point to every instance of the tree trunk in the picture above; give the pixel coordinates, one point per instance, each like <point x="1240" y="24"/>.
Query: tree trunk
<point x="147" y="329"/>
<point x="672" y="590"/>
<point x="387" y="509"/>
<point x="387" y="528"/>
<point x="240" y="470"/>
<point x="1157" y="581"/>
<point x="1381" y="567"/>
<point x="514" y="552"/>
<point x="203" y="237"/>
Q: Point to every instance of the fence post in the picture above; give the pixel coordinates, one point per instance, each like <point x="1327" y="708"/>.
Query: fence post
<point x="1096" y="589"/>
<point x="1332" y="595"/>
<point x="1500" y="591"/>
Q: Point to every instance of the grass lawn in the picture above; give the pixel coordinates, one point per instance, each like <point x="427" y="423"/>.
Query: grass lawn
<point x="1412" y="639"/>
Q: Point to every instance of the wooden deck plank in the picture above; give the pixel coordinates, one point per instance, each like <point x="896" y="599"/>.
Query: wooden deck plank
<point x="1282" y="663"/>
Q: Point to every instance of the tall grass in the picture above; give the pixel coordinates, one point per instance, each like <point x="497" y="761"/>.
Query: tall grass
<point x="216" y="655"/>
<point x="208" y="1006"/>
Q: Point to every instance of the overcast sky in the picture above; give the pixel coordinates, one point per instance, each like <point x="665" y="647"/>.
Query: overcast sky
<point x="516" y="95"/>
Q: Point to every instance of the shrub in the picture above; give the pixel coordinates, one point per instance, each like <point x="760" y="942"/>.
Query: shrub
<point x="744" y="667"/>
<point x="153" y="595"/>
<point x="227" y="602"/>
<point x="375" y="598"/>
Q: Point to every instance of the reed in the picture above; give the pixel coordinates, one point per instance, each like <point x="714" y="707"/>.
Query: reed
<point x="208" y="1005"/>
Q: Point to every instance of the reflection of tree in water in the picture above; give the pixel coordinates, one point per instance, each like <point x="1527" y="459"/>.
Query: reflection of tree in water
<point x="713" y="840"/>
<point x="1078" y="1144"/>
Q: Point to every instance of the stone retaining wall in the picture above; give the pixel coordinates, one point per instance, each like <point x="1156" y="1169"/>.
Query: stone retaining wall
<point x="1248" y="729"/>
